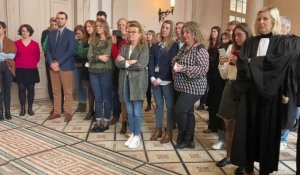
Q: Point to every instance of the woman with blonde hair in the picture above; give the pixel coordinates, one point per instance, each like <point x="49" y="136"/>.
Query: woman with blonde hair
<point x="190" y="66"/>
<point x="89" y="27"/>
<point x="262" y="80"/>
<point x="151" y="39"/>
<point x="133" y="79"/>
<point x="160" y="71"/>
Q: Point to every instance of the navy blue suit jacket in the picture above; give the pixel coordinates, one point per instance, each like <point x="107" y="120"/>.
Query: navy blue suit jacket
<point x="64" y="52"/>
<point x="165" y="68"/>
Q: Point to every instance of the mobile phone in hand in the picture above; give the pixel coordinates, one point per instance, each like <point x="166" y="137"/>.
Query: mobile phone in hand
<point x="222" y="52"/>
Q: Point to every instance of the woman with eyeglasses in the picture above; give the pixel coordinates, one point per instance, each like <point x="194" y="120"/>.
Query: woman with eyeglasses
<point x="133" y="79"/>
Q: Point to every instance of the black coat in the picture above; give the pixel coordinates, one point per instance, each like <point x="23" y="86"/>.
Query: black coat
<point x="259" y="89"/>
<point x="216" y="85"/>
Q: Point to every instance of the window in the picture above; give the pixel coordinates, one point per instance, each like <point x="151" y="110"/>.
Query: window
<point x="239" y="6"/>
<point x="236" y="18"/>
<point x="238" y="10"/>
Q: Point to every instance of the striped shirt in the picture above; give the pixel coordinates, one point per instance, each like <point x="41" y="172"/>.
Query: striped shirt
<point x="192" y="78"/>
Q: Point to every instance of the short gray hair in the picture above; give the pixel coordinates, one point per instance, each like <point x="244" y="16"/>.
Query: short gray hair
<point x="285" y="21"/>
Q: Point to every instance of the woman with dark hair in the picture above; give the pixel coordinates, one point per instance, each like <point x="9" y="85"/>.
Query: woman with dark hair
<point x="27" y="74"/>
<point x="214" y="80"/>
<point x="7" y="70"/>
<point x="101" y="74"/>
<point x="190" y="66"/>
<point x="160" y="71"/>
<point x="79" y="71"/>
<point x="228" y="109"/>
<point x="262" y="78"/>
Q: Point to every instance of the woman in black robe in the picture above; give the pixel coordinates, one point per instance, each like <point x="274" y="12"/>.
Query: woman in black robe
<point x="262" y="68"/>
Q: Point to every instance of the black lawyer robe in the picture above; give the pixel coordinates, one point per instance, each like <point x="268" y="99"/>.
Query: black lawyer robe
<point x="258" y="126"/>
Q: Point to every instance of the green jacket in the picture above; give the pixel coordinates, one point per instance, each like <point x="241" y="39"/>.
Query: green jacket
<point x="137" y="73"/>
<point x="81" y="52"/>
<point x="100" y="47"/>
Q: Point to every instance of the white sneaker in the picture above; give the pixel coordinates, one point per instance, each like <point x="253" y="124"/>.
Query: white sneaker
<point x="127" y="143"/>
<point x="217" y="145"/>
<point x="283" y="146"/>
<point x="135" y="142"/>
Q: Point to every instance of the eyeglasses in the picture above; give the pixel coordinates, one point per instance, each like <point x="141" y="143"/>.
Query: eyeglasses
<point x="132" y="32"/>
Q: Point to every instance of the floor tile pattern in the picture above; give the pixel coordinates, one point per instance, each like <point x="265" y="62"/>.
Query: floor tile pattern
<point x="35" y="145"/>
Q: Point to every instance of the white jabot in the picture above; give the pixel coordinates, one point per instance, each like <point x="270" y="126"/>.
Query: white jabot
<point x="263" y="47"/>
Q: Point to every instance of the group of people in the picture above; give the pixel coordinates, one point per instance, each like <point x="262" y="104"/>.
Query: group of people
<point x="252" y="93"/>
<point x="250" y="80"/>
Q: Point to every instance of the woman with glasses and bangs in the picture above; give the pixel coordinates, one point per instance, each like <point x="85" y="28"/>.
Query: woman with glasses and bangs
<point x="133" y="79"/>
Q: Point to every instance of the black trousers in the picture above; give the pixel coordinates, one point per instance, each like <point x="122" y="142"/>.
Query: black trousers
<point x="298" y="152"/>
<point x="184" y="112"/>
<point x="6" y="78"/>
<point x="22" y="93"/>
<point x="148" y="93"/>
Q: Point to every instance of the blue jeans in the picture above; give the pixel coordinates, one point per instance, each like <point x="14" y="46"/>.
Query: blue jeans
<point x="161" y="93"/>
<point x="284" y="135"/>
<point x="102" y="88"/>
<point x="6" y="79"/>
<point x="134" y="111"/>
<point x="285" y="132"/>
<point x="221" y="135"/>
<point x="81" y="90"/>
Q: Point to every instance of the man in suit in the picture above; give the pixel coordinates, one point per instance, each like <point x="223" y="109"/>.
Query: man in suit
<point x="60" y="56"/>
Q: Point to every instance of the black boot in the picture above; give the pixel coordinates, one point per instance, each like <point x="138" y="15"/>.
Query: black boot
<point x="30" y="111"/>
<point x="180" y="138"/>
<point x="124" y="128"/>
<point x="83" y="107"/>
<point x="1" y="115"/>
<point x="22" y="112"/>
<point x="187" y="143"/>
<point x="7" y="114"/>
<point x="89" y="115"/>
<point x="78" y="107"/>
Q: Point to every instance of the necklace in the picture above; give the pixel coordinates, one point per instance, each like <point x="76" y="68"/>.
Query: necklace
<point x="187" y="50"/>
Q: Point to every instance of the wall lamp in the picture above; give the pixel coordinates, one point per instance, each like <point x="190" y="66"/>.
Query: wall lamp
<point x="163" y="14"/>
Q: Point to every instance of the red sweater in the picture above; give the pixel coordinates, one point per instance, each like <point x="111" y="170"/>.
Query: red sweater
<point x="115" y="50"/>
<point x="27" y="56"/>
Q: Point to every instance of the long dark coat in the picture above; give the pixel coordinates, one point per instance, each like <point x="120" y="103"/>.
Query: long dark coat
<point x="258" y="87"/>
<point x="216" y="85"/>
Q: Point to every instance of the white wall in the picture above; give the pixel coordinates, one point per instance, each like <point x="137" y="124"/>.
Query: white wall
<point x="146" y="11"/>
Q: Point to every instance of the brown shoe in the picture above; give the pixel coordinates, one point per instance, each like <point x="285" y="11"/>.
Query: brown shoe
<point x="168" y="136"/>
<point x="148" y="108"/>
<point x="113" y="121"/>
<point x="157" y="134"/>
<point x="207" y="131"/>
<point x="53" y="116"/>
<point x="68" y="117"/>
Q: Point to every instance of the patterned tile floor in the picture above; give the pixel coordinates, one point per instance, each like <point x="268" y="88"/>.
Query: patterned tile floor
<point x="34" y="145"/>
